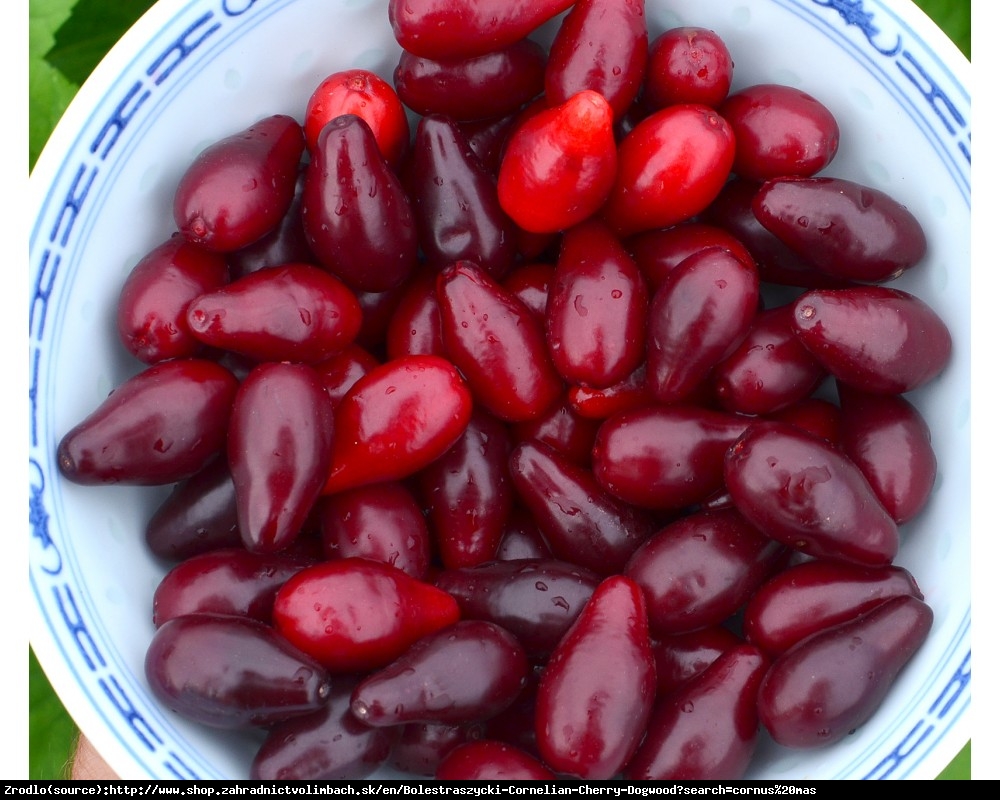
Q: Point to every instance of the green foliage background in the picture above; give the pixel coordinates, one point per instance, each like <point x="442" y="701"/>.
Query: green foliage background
<point x="67" y="39"/>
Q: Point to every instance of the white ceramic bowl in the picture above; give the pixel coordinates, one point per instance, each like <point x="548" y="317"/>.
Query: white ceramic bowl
<point x="192" y="71"/>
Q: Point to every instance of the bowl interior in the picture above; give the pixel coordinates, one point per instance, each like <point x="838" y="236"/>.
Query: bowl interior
<point x="190" y="73"/>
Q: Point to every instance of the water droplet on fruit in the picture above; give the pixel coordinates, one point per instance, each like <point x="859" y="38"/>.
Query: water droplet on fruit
<point x="687" y="707"/>
<point x="541" y="586"/>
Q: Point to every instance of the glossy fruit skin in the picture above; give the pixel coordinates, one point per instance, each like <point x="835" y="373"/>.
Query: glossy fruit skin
<point x="559" y="164"/>
<point x="659" y="251"/>
<point x="599" y="404"/>
<point x="199" y="515"/>
<point x="455" y="203"/>
<point x="380" y="521"/>
<point x="497" y="344"/>
<point x="886" y="436"/>
<point x="699" y="570"/>
<point x="580" y="522"/>
<point x="563" y="429"/>
<point x="279" y="444"/>
<point x="443" y="29"/>
<point x="684" y="655"/>
<point x="467" y="493"/>
<point x="830" y="683"/>
<point x="697" y="317"/>
<point x="687" y="65"/>
<point x="239" y="188"/>
<point x="158" y="427"/>
<point x="600" y="45"/>
<point x="595" y="322"/>
<point x="806" y="493"/>
<point x="396" y="420"/>
<point x="343" y="369"/>
<point x="488" y="759"/>
<point x="769" y="370"/>
<point x="367" y="95"/>
<point x="357" y="615"/>
<point x="838" y="326"/>
<point x="232" y="672"/>
<point x="815" y="595"/>
<point x="329" y="744"/>
<point x="415" y="325"/>
<point x="355" y="212"/>
<point x="153" y="300"/>
<point x="487" y="86"/>
<point x="466" y="672"/>
<point x="670" y="167"/>
<point x="422" y="746"/>
<point x="732" y="210"/>
<point x="664" y="457"/>
<point x="588" y="723"/>
<point x="780" y="131"/>
<point x="535" y="599"/>
<point x="229" y="580"/>
<point x="842" y="228"/>
<point x="293" y="312"/>
<point x="707" y="728"/>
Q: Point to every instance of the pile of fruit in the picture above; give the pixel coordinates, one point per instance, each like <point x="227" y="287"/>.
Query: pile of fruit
<point x="537" y="413"/>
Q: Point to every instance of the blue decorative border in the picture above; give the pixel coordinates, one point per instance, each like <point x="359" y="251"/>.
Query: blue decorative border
<point x="201" y="33"/>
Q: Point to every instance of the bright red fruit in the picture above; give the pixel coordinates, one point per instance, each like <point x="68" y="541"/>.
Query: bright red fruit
<point x="396" y="420"/>
<point x="559" y="164"/>
<point x="357" y="615"/>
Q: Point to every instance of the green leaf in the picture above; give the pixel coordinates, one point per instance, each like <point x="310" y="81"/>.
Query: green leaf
<point x="89" y="32"/>
<point x="954" y="17"/>
<point x="49" y="92"/>
<point x="51" y="732"/>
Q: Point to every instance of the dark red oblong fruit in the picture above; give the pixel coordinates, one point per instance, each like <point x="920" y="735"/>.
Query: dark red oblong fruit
<point x="670" y="167"/>
<point x="697" y="317"/>
<point x="804" y="492"/>
<point x="659" y="251"/>
<point x="232" y="672"/>
<point x="151" y="306"/>
<point x="832" y="682"/>
<point x="160" y="426"/>
<point x="380" y="521"/>
<point x="445" y="29"/>
<point x="280" y="439"/>
<point x="535" y="599"/>
<point x="487" y="86"/>
<point x="355" y="213"/>
<point x="700" y="569"/>
<point x="600" y="45"/>
<point x="838" y="326"/>
<point x="467" y="493"/>
<point x="488" y="759"/>
<point x="455" y="201"/>
<point x="597" y="689"/>
<point x="886" y="436"/>
<point x="596" y="312"/>
<point x="842" y="228"/>
<point x="497" y="343"/>
<point x="559" y="164"/>
<point x="580" y="522"/>
<point x="397" y="419"/>
<point x="239" y="188"/>
<point x="664" y="457"/>
<point x="467" y="672"/>
<point x="230" y="580"/>
<point x="707" y="728"/>
<point x="199" y="515"/>
<point x="818" y="594"/>
<point x="357" y="615"/>
<point x="292" y="312"/>
<point x="328" y="744"/>
<point x="780" y="131"/>
<point x="769" y="370"/>
<point x="684" y="655"/>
